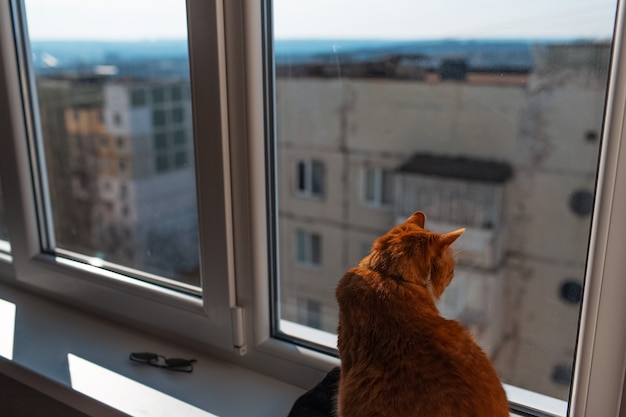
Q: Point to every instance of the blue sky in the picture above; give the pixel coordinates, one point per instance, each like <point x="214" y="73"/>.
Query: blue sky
<point x="335" y="19"/>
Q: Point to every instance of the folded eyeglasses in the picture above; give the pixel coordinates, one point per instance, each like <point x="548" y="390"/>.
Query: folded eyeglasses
<point x="160" y="361"/>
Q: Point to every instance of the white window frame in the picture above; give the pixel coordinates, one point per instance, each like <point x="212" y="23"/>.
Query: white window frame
<point x="207" y="318"/>
<point x="234" y="312"/>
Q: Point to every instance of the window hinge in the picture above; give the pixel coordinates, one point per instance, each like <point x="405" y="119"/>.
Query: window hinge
<point x="239" y="330"/>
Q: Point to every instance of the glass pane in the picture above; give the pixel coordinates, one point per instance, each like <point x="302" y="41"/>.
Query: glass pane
<point x="301" y="246"/>
<point x="316" y="249"/>
<point x="387" y="184"/>
<point x="301" y="176"/>
<point x="370" y="185"/>
<point x="317" y="178"/>
<point x="487" y="121"/>
<point x="114" y="116"/>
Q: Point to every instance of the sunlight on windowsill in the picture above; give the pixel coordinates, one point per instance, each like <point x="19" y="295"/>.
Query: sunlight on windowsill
<point x="124" y="394"/>
<point x="5" y="246"/>
<point x="7" y="328"/>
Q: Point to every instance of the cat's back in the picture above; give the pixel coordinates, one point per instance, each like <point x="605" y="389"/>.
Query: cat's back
<point x="399" y="357"/>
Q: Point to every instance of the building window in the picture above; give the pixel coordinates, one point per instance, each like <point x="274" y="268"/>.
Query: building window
<point x="123" y="191"/>
<point x="308" y="248"/>
<point x="180" y="159"/>
<point x="120" y="142"/>
<point x="310" y="312"/>
<point x="158" y="95"/>
<point x="160" y="141"/>
<point x="179" y="137"/>
<point x="176" y="93"/>
<point x="178" y="115"/>
<point x="162" y="163"/>
<point x="378" y="187"/>
<point x="117" y="119"/>
<point x="158" y="118"/>
<point x="137" y="98"/>
<point x="310" y="179"/>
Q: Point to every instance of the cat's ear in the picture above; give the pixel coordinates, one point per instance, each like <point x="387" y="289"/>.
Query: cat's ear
<point x="448" y="239"/>
<point x="418" y="218"/>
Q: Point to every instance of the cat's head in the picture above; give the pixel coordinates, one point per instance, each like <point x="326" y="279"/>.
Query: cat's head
<point x="414" y="254"/>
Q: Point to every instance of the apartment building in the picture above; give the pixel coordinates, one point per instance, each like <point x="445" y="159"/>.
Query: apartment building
<point x="121" y="164"/>
<point x="146" y="176"/>
<point x="498" y="154"/>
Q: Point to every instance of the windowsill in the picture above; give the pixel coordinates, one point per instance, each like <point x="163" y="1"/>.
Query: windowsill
<point x="81" y="360"/>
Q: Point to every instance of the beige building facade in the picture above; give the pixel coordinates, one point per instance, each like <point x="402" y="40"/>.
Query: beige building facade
<point x="342" y="144"/>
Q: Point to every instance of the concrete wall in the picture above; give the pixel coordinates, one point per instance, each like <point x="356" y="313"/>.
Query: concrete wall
<point x="543" y="128"/>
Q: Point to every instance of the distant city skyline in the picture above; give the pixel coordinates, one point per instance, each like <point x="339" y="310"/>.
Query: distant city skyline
<point x="332" y="19"/>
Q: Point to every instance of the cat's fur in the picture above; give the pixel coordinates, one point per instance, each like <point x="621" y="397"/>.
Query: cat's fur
<point x="399" y="357"/>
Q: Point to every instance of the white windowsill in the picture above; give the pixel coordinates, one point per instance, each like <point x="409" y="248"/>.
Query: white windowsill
<point x="75" y="357"/>
<point x="82" y="360"/>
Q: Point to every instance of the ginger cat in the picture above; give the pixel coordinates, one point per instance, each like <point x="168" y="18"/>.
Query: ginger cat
<point x="399" y="357"/>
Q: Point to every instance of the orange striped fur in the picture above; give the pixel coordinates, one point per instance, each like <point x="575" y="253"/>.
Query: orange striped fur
<point x="399" y="357"/>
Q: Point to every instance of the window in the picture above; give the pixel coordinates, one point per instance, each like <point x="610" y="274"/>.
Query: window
<point x="421" y="106"/>
<point x="176" y="92"/>
<point x="123" y="191"/>
<point x="160" y="141"/>
<point x="309" y="248"/>
<point x="179" y="137"/>
<point x="162" y="163"/>
<point x="309" y="131"/>
<point x="180" y="159"/>
<point x="177" y="115"/>
<point x="378" y="187"/>
<point x="158" y="118"/>
<point x="310" y="178"/>
<point x="158" y="95"/>
<point x="310" y="312"/>
<point x="137" y="98"/>
<point x="78" y="236"/>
